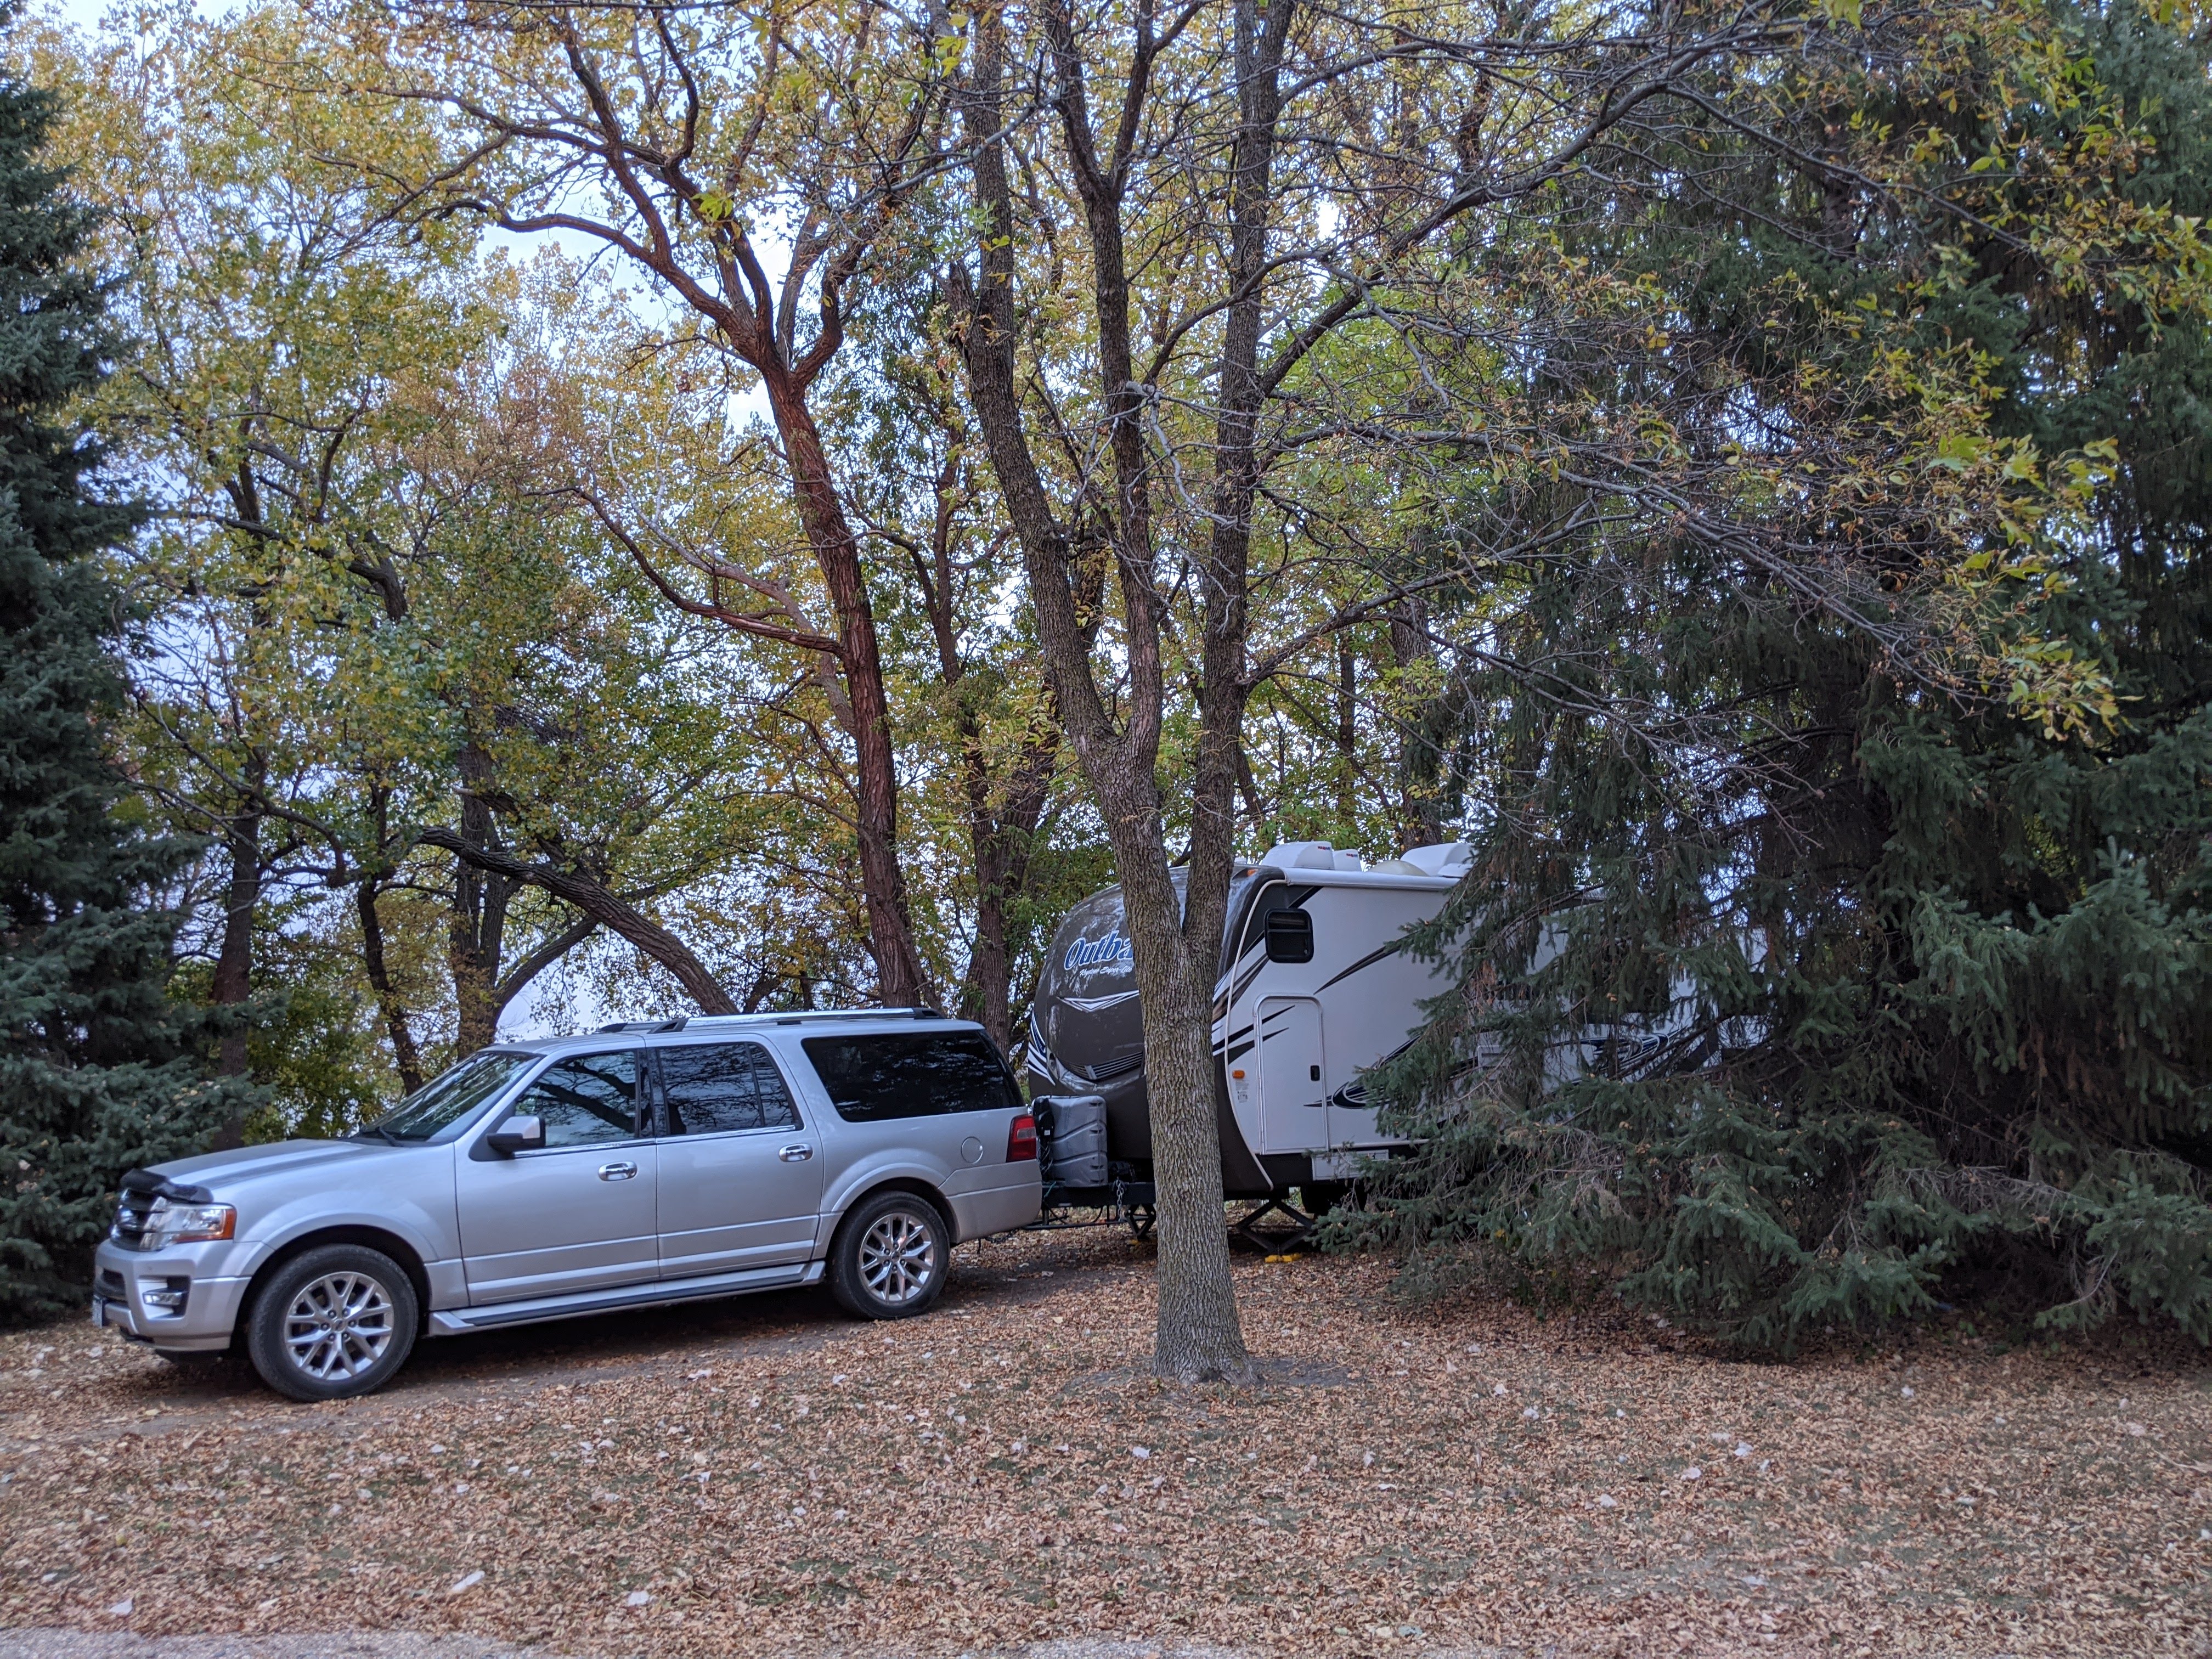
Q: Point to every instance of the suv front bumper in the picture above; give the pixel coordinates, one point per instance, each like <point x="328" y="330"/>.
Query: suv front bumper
<point x="180" y="1299"/>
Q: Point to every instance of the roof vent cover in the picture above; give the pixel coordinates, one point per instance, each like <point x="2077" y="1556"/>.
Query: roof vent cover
<point x="1444" y="858"/>
<point x="1309" y="855"/>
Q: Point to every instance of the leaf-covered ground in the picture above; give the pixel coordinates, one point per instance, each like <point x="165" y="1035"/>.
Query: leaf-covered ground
<point x="766" y="1477"/>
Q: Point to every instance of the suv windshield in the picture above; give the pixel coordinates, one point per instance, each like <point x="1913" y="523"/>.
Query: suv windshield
<point x="444" y="1100"/>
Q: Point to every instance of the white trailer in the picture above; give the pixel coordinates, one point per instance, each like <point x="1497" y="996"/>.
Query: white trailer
<point x="1315" y="990"/>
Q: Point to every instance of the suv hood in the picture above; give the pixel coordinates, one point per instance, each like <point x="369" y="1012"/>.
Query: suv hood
<point x="220" y="1171"/>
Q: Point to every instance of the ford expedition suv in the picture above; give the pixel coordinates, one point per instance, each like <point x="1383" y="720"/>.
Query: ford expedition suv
<point x="646" y="1163"/>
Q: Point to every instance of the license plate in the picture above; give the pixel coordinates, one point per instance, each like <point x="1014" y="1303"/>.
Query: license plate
<point x="99" y="1311"/>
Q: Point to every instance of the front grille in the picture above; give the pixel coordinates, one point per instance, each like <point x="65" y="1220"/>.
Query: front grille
<point x="133" y="1208"/>
<point x="130" y="1222"/>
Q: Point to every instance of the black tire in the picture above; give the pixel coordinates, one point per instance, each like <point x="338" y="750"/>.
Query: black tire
<point x="891" y="1257"/>
<point x="332" y="1322"/>
<point x="1322" y="1196"/>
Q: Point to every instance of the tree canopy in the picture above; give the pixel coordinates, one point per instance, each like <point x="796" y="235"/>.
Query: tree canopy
<point x="660" y="508"/>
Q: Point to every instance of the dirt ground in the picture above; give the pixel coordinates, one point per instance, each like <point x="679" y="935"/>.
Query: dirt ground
<point x="765" y="1477"/>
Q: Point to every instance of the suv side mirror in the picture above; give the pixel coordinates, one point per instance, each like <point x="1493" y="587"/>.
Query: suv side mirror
<point x="517" y="1135"/>
<point x="1290" y="936"/>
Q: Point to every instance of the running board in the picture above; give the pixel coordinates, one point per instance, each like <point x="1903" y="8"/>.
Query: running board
<point x="454" y="1321"/>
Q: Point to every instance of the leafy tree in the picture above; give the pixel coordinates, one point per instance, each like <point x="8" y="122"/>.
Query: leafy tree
<point x="391" y="672"/>
<point x="1869" y="935"/>
<point x="99" y="1070"/>
<point x="1204" y="282"/>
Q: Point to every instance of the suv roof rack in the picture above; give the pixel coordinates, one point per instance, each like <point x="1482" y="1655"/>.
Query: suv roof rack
<point x="771" y="1016"/>
<point x="792" y="1017"/>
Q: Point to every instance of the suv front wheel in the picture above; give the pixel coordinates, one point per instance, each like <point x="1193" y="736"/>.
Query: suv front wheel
<point x="890" y="1258"/>
<point x="332" y="1322"/>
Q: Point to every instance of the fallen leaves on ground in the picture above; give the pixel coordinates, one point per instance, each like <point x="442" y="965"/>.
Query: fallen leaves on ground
<point x="766" y="1477"/>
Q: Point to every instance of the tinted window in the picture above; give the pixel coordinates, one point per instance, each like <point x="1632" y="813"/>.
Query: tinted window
<point x="896" y="1075"/>
<point x="591" y="1098"/>
<point x="1290" y="936"/>
<point x="1278" y="896"/>
<point x="730" y="1085"/>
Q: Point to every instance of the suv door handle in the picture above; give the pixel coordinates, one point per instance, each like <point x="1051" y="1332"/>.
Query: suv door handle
<point x="617" y="1171"/>
<point x="795" y="1154"/>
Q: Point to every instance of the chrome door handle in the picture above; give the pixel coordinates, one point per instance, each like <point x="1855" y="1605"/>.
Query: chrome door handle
<point x="617" y="1171"/>
<point x="795" y="1154"/>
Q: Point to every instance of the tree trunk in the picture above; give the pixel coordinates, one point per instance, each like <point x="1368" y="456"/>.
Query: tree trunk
<point x="519" y="977"/>
<point x="1347" y="740"/>
<point x="406" y="1058"/>
<point x="1421" y="733"/>
<point x="1198" y="1333"/>
<point x="233" y="963"/>
<point x="233" y="984"/>
<point x="1002" y="840"/>
<point x="883" y="881"/>
<point x="476" y="930"/>
<point x="595" y="901"/>
<point x="1003" y="811"/>
<point x="987" y="998"/>
<point x="730" y="290"/>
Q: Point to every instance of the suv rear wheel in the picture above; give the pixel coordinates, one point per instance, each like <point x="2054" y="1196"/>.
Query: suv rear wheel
<point x="890" y="1258"/>
<point x="332" y="1322"/>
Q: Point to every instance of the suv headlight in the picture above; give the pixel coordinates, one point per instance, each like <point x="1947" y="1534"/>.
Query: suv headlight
<point x="171" y="1223"/>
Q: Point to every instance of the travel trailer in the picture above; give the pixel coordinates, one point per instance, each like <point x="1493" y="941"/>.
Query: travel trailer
<point x="1315" y="990"/>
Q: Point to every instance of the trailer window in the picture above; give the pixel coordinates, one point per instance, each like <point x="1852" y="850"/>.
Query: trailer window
<point x="1276" y="897"/>
<point x="893" y="1075"/>
<point x="1290" y="936"/>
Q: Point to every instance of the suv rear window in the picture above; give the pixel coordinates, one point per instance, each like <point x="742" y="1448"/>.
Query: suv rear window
<point x="872" y="1079"/>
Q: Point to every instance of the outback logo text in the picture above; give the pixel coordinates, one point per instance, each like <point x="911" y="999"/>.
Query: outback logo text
<point x="1115" y="947"/>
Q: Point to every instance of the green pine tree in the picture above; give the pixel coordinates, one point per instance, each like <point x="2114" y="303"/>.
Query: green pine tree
<point x="1942" y="978"/>
<point x="99" y="1071"/>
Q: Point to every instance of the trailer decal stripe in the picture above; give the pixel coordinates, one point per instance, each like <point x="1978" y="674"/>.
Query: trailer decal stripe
<point x="1367" y="961"/>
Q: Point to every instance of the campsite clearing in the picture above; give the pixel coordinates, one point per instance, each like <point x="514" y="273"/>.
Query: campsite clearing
<point x="766" y="1477"/>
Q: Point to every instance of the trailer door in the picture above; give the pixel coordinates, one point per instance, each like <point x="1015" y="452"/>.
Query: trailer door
<point x="1293" y="1100"/>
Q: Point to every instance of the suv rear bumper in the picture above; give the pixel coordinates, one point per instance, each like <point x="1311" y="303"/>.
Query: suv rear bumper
<point x="997" y="1209"/>
<point x="131" y="1289"/>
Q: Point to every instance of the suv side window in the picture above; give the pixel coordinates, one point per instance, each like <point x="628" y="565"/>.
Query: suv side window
<point x="894" y="1075"/>
<point x="585" y="1100"/>
<point x="725" y="1085"/>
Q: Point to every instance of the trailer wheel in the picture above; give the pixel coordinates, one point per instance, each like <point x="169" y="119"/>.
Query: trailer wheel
<point x="1321" y="1197"/>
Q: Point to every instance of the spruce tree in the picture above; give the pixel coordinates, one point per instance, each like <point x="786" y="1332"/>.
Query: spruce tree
<point x="1938" y="980"/>
<point x="99" y="1071"/>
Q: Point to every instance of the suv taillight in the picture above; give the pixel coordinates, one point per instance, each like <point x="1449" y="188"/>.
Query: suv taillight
<point x="1021" y="1139"/>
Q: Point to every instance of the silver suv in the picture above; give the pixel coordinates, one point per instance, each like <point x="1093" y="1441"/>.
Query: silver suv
<point x="645" y="1163"/>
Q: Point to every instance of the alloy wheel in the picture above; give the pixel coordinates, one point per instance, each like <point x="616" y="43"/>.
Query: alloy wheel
<point x="898" y="1258"/>
<point x="338" y="1326"/>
